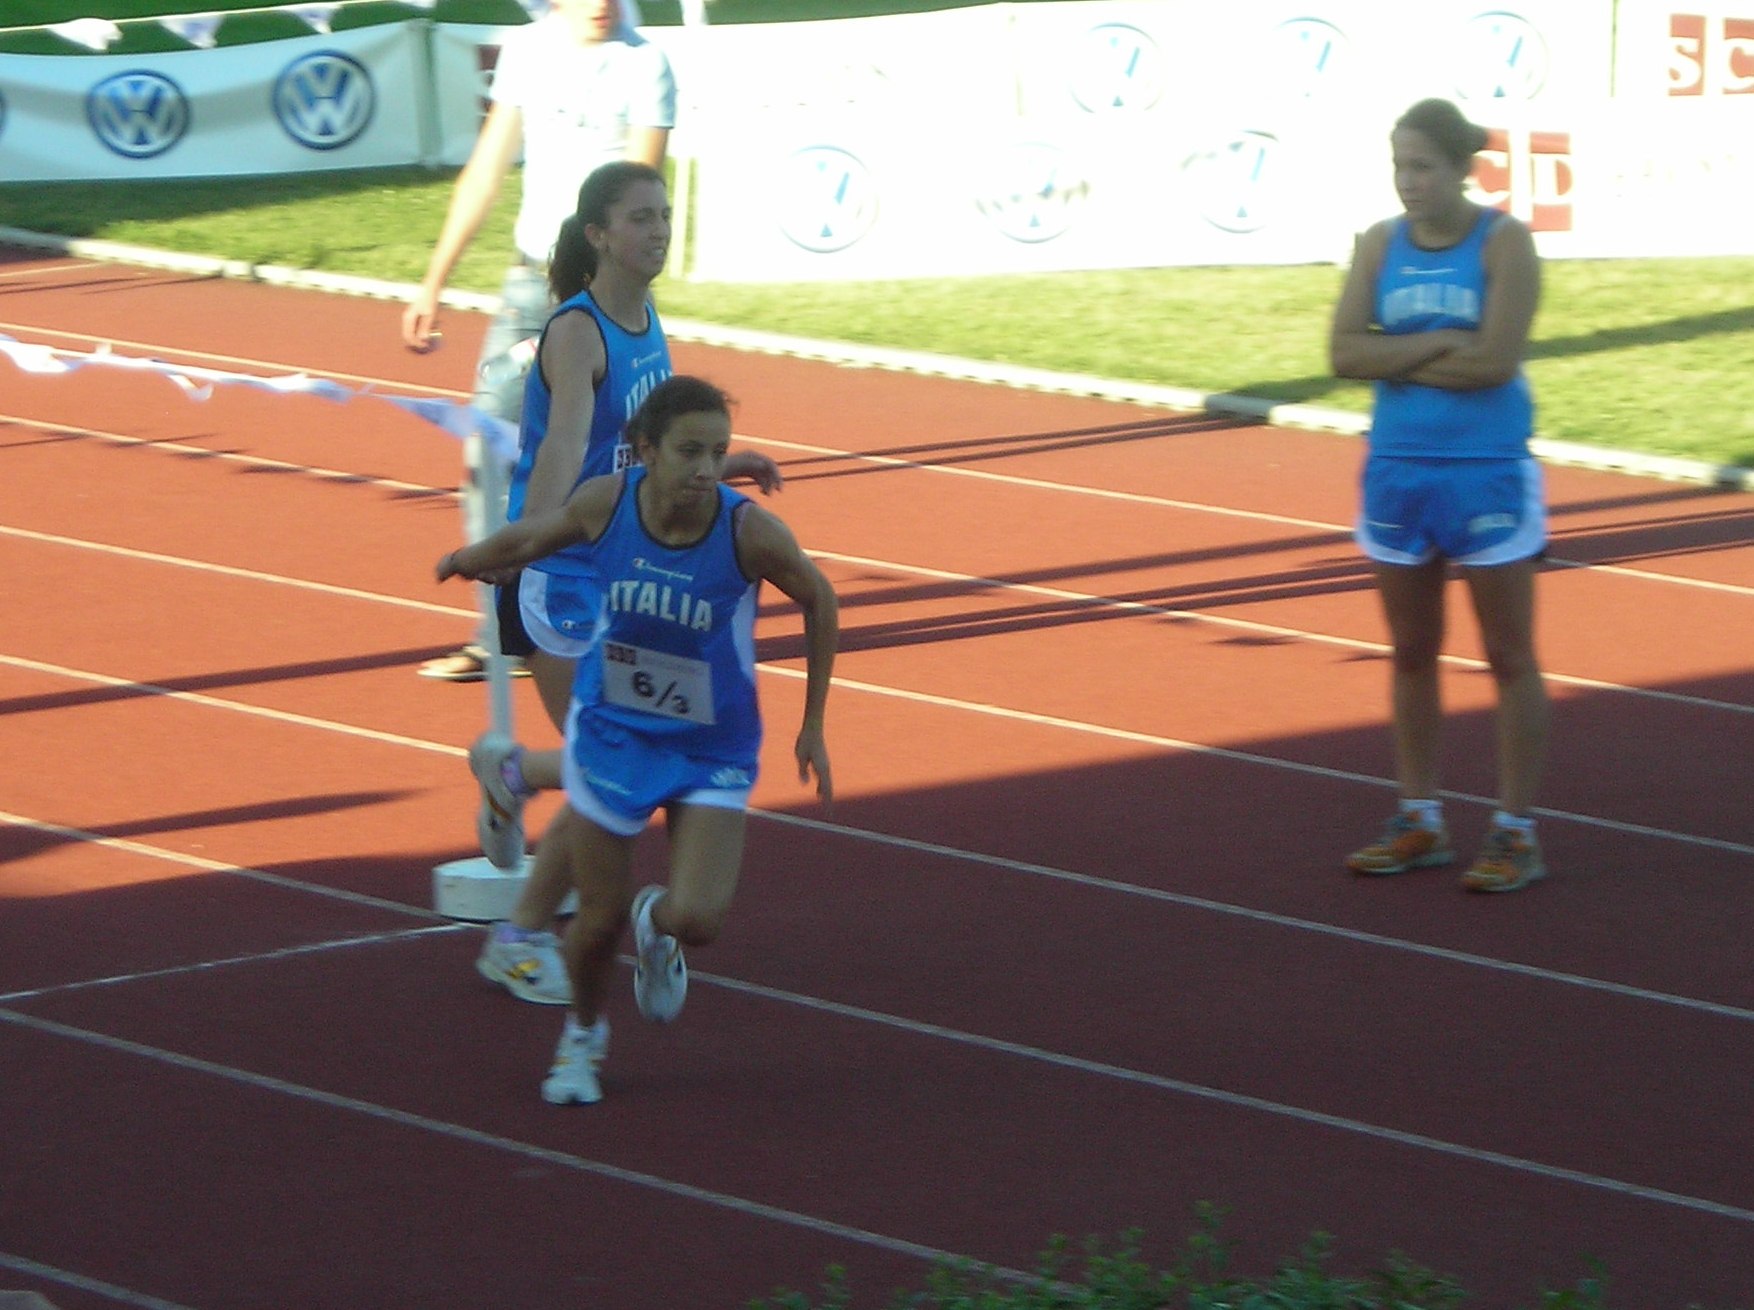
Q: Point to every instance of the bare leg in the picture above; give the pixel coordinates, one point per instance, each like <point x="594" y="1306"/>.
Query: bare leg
<point x="1504" y="601"/>
<point x="599" y="864"/>
<point x="550" y="878"/>
<point x="1412" y="601"/>
<point x="706" y="856"/>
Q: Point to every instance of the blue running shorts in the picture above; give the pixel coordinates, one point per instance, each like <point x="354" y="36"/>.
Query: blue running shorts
<point x="1477" y="512"/>
<point x="560" y="612"/>
<point x="618" y="779"/>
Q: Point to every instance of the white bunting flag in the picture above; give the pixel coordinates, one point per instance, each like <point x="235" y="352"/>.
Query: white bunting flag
<point x="315" y="17"/>
<point x="97" y="34"/>
<point x="460" y="421"/>
<point x="199" y="30"/>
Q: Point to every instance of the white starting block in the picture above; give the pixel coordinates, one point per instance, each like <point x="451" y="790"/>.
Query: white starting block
<point x="476" y="891"/>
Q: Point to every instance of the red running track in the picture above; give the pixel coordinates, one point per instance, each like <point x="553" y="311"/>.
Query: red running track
<point x="1073" y="953"/>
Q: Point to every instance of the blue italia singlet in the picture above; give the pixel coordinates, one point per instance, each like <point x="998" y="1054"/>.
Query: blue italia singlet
<point x="1420" y="290"/>
<point x="674" y="659"/>
<point x="634" y="364"/>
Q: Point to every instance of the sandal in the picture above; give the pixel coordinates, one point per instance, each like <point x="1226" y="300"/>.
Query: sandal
<point x="468" y="664"/>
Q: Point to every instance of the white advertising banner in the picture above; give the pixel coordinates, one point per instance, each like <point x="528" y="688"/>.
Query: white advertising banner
<point x="1006" y="138"/>
<point x="346" y="100"/>
<point x="1685" y="49"/>
<point x="1133" y="133"/>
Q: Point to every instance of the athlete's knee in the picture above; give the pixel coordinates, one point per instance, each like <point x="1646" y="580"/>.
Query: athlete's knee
<point x="692" y="923"/>
<point x="1511" y="663"/>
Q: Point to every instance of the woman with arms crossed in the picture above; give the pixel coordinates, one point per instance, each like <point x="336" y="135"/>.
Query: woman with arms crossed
<point x="1436" y="310"/>
<point x="664" y="711"/>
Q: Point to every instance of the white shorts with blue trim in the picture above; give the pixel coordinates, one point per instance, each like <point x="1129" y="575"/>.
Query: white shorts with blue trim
<point x="618" y="779"/>
<point x="1478" y="512"/>
<point x="560" y="612"/>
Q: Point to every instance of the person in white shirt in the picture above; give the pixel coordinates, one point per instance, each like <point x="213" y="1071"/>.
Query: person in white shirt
<point x="577" y="88"/>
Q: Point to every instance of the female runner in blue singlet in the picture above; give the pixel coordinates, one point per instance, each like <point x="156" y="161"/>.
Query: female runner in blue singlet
<point x="601" y="353"/>
<point x="1436" y="310"/>
<point x="664" y="711"/>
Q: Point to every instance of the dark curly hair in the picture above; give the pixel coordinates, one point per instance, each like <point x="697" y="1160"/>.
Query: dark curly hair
<point x="1443" y="125"/>
<point x="672" y="398"/>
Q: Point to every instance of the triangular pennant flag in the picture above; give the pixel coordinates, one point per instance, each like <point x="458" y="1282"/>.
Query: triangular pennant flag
<point x="34" y="359"/>
<point x="199" y="30"/>
<point x="97" y="34"/>
<point x="315" y="17"/>
<point x="461" y="421"/>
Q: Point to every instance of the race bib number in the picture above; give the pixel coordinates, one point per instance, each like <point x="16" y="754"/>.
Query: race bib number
<point x="655" y="683"/>
<point x="624" y="459"/>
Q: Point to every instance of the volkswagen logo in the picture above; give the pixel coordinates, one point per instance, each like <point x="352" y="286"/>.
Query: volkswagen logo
<point x="827" y="199"/>
<point x="1115" y="67"/>
<point x="1236" y="184"/>
<point x="1032" y="193"/>
<point x="324" y="100"/>
<point x="1501" y="57"/>
<point x="1307" y="54"/>
<point x="138" y="114"/>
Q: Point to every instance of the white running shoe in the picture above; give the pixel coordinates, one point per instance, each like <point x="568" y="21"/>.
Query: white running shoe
<point x="660" y="975"/>
<point x="572" y="1079"/>
<point x="526" y="964"/>
<point x="499" y="823"/>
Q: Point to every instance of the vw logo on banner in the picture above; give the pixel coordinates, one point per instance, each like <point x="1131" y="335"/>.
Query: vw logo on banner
<point x="1237" y="184"/>
<point x="324" y="100"/>
<point x="1115" y="67"/>
<point x="827" y="199"/>
<point x="1032" y="192"/>
<point x="1502" y="56"/>
<point x="138" y="114"/>
<point x="1309" y="56"/>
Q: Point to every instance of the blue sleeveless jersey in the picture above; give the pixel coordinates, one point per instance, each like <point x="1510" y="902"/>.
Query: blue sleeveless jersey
<point x="1422" y="291"/>
<point x="635" y="363"/>
<point x="675" y="654"/>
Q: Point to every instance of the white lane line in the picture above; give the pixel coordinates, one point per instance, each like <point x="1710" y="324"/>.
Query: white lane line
<point x="184" y="449"/>
<point x="19" y="1264"/>
<point x="227" y="570"/>
<point x="793" y="1218"/>
<point x="1131" y="736"/>
<point x="1341" y="531"/>
<point x="916" y="846"/>
<point x="741" y="1206"/>
<point x="1242" y="1101"/>
<point x="127" y="847"/>
<point x="235" y="707"/>
<point x="1250" y="625"/>
<point x="1094" y="601"/>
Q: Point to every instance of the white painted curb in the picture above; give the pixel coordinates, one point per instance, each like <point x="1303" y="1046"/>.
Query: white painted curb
<point x="1315" y="417"/>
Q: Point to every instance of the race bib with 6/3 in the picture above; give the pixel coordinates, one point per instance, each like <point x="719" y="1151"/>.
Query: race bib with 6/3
<point x="655" y="683"/>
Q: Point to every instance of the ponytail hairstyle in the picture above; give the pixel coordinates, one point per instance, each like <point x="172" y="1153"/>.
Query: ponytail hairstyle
<point x="574" y="261"/>
<point x="675" y="396"/>
<point x="1442" y="124"/>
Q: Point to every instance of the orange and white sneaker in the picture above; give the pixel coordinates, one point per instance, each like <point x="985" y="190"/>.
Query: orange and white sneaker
<point x="1509" y="860"/>
<point x="1405" y="844"/>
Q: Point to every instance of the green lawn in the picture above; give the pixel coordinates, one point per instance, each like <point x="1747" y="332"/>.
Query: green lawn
<point x="1640" y="355"/>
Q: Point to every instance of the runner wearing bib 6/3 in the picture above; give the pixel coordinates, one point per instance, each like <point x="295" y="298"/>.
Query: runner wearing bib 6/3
<point x="665" y="708"/>
<point x="664" y="711"/>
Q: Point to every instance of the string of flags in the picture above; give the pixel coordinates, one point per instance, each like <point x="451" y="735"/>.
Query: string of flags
<point x="201" y="29"/>
<point x="460" y="421"/>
